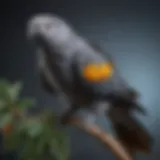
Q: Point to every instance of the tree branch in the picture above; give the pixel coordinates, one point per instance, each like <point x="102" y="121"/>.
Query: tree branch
<point x="114" y="145"/>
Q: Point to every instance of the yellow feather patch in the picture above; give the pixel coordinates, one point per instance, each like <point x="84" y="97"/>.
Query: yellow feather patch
<point x="98" y="72"/>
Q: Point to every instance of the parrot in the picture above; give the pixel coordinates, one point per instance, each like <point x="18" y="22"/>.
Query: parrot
<point x="81" y="71"/>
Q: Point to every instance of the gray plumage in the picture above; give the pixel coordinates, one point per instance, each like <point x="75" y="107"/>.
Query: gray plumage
<point x="62" y="54"/>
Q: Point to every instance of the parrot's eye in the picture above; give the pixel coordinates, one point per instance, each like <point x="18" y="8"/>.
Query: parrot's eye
<point x="98" y="72"/>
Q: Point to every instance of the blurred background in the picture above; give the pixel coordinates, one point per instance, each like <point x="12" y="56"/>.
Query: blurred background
<point x="128" y="30"/>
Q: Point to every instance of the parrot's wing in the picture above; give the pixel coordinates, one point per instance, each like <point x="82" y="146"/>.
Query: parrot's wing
<point x="46" y="76"/>
<point x="130" y="131"/>
<point x="108" y="56"/>
<point x="46" y="83"/>
<point x="102" y="51"/>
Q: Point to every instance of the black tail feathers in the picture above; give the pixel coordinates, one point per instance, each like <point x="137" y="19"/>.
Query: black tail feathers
<point x="130" y="131"/>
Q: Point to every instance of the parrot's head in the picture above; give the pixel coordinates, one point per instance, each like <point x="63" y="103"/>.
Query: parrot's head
<point x="48" y="30"/>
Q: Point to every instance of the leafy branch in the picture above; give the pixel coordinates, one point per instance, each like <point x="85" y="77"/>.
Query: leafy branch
<point x="36" y="137"/>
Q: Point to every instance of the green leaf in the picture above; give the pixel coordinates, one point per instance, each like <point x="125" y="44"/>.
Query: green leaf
<point x="14" y="91"/>
<point x="2" y="104"/>
<point x="12" y="141"/>
<point x="60" y="151"/>
<point x="28" y="151"/>
<point x="41" y="145"/>
<point x="64" y="147"/>
<point x="5" y="119"/>
<point x="54" y="150"/>
<point x="59" y="144"/>
<point x="25" y="103"/>
<point x="35" y="128"/>
<point x="4" y="86"/>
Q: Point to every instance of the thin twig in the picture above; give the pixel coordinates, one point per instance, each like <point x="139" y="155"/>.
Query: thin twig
<point x="114" y="145"/>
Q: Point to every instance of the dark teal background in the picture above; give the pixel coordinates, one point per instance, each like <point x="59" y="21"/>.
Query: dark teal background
<point x="129" y="30"/>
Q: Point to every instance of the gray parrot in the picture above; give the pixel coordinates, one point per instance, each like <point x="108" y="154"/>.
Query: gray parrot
<point x="77" y="69"/>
